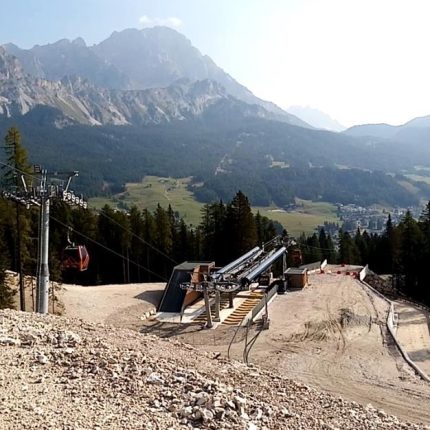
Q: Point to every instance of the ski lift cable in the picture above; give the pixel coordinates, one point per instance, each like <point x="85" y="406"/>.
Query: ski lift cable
<point x="109" y="249"/>
<point x="20" y="171"/>
<point x="101" y="213"/>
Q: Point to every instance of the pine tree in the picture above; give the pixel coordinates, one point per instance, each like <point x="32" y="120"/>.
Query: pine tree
<point x="242" y="232"/>
<point x="265" y="227"/>
<point x="424" y="225"/>
<point x="314" y="249"/>
<point x="327" y="247"/>
<point x="361" y="245"/>
<point x="348" y="252"/>
<point x="331" y="251"/>
<point x="6" y="293"/>
<point x="17" y="160"/>
<point x="411" y="262"/>
<point x="163" y="240"/>
<point x="149" y="236"/>
<point x="137" y="247"/>
<point x="113" y="233"/>
<point x="15" y="175"/>
<point x="212" y="229"/>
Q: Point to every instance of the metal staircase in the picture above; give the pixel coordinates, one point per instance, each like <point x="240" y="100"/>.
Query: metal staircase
<point x="243" y="309"/>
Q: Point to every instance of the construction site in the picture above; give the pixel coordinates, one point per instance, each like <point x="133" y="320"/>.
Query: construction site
<point x="319" y="324"/>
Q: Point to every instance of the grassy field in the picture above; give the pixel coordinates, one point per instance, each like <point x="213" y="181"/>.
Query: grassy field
<point x="153" y="190"/>
<point x="305" y="219"/>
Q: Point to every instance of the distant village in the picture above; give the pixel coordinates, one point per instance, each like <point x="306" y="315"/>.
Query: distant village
<point x="370" y="219"/>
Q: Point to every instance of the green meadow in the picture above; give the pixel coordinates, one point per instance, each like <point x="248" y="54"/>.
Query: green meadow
<point x="155" y="190"/>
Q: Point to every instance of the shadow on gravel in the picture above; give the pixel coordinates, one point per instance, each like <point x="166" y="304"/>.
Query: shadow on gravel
<point x="152" y="297"/>
<point x="419" y="355"/>
<point x="163" y="329"/>
<point x="195" y="334"/>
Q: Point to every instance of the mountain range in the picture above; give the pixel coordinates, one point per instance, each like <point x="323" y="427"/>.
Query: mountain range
<point x="148" y="102"/>
<point x="414" y="131"/>
<point x="110" y="83"/>
<point x="78" y="100"/>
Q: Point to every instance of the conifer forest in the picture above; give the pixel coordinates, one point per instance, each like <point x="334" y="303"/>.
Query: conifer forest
<point x="143" y="245"/>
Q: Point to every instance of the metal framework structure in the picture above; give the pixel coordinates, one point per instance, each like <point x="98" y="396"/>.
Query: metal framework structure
<point x="40" y="195"/>
<point x="242" y="271"/>
<point x="239" y="274"/>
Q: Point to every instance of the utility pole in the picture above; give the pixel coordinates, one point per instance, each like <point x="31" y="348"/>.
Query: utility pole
<point x="41" y="195"/>
<point x="43" y="278"/>
<point x="19" y="259"/>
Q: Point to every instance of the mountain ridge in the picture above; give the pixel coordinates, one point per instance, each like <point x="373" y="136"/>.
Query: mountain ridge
<point x="135" y="60"/>
<point x="81" y="101"/>
<point x="388" y="131"/>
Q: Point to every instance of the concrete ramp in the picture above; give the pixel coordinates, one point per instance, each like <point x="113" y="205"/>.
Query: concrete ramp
<point x="173" y="296"/>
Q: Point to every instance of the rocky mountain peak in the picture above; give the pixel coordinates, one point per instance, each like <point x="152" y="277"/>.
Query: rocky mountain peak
<point x="10" y="68"/>
<point x="79" y="41"/>
<point x="137" y="60"/>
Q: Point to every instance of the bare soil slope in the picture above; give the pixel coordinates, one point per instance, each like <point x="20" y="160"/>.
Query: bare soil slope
<point x="333" y="335"/>
<point x="60" y="373"/>
<point x="121" y="305"/>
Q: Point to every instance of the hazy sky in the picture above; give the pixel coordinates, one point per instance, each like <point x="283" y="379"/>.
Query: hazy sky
<point x="357" y="60"/>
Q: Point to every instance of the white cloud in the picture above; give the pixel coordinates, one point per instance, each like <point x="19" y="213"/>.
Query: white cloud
<point x="171" y="21"/>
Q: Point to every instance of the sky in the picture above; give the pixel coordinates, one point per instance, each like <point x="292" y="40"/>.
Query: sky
<point x="360" y="61"/>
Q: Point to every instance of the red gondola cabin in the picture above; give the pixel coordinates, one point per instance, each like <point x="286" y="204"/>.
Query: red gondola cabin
<point x="76" y="258"/>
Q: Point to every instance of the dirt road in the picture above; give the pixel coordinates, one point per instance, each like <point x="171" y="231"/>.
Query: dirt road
<point x="413" y="333"/>
<point x="332" y="335"/>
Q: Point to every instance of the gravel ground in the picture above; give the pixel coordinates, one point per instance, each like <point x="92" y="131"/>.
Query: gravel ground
<point x="120" y="305"/>
<point x="330" y="335"/>
<point x="64" y="373"/>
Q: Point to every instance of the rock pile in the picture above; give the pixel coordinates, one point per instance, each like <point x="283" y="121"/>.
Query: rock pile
<point x="58" y="373"/>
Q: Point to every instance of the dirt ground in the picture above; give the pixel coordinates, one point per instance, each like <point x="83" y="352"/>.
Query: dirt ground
<point x="122" y="306"/>
<point x="331" y="335"/>
<point x="30" y="295"/>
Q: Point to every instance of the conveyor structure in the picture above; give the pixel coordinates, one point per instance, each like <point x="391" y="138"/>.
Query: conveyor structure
<point x="240" y="273"/>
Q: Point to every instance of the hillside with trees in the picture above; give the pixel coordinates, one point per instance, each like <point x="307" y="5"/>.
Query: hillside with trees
<point x="139" y="246"/>
<point x="222" y="157"/>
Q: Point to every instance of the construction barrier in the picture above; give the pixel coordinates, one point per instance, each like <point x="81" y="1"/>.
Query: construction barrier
<point x="392" y="325"/>
<point x="311" y="267"/>
<point x="364" y="272"/>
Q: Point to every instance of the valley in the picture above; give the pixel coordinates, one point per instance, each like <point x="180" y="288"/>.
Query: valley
<point x="155" y="190"/>
<point x="187" y="278"/>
